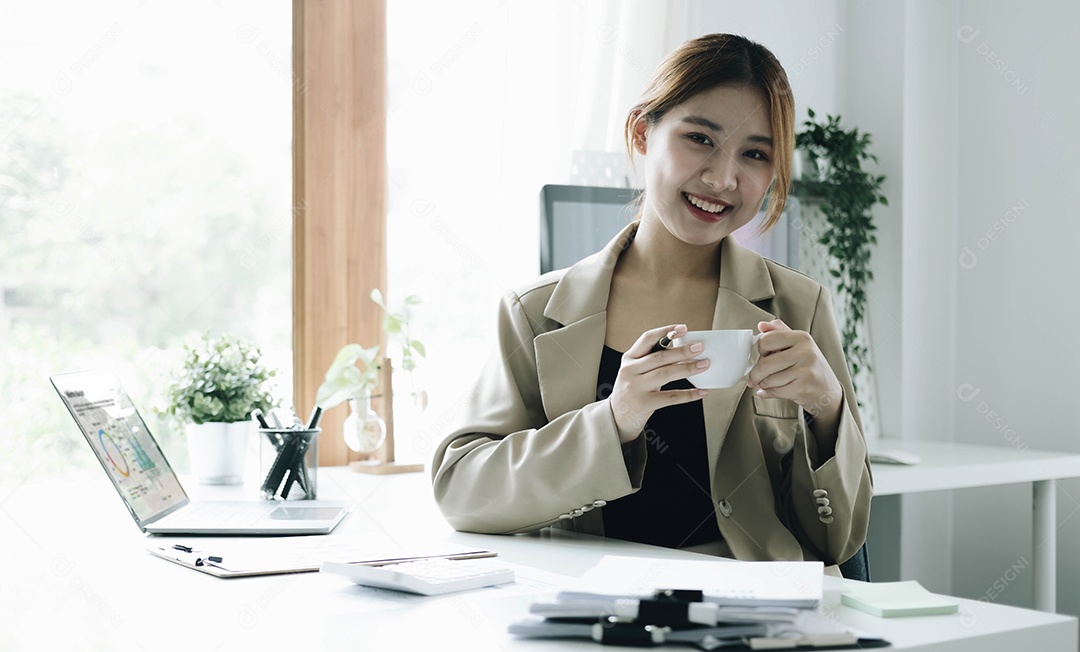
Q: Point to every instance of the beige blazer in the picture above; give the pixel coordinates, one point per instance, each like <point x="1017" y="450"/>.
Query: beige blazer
<point x="533" y="447"/>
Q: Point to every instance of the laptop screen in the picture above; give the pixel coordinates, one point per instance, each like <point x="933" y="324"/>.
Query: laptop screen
<point x="120" y="439"/>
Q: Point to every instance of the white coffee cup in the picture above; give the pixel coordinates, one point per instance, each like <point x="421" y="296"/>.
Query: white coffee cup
<point x="729" y="354"/>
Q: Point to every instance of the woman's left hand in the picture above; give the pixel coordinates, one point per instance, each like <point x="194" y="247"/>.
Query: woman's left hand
<point x="792" y="366"/>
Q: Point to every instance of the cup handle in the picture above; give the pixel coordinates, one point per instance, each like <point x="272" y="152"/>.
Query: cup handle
<point x="750" y="363"/>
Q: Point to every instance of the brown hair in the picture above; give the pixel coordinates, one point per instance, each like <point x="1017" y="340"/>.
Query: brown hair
<point x="712" y="60"/>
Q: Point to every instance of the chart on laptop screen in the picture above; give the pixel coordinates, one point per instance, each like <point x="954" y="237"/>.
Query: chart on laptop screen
<point x="121" y="441"/>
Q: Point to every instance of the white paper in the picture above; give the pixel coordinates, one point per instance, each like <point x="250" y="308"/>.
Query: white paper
<point x="752" y="581"/>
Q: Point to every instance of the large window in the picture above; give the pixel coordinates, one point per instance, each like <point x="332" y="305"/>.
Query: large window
<point x="144" y="198"/>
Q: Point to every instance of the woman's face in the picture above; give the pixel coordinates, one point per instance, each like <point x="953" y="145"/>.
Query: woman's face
<point x="708" y="163"/>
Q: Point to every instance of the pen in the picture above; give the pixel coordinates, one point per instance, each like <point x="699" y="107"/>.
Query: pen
<point x="181" y="548"/>
<point x="313" y="421"/>
<point x="297" y="470"/>
<point x="258" y="415"/>
<point x="664" y="343"/>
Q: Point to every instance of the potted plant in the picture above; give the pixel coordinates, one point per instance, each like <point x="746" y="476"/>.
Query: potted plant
<point x="398" y="327"/>
<point x="219" y="382"/>
<point x="353" y="377"/>
<point x="833" y="178"/>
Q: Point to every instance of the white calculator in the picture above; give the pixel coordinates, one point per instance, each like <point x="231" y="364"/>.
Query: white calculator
<point x="433" y="576"/>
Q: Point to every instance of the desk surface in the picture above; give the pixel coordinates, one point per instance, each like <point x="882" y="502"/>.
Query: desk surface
<point x="86" y="583"/>
<point x="960" y="466"/>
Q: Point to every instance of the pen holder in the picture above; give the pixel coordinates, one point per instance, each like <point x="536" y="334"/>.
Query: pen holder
<point x="290" y="460"/>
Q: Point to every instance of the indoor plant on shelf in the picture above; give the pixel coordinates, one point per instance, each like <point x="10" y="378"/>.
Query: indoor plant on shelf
<point x="219" y="382"/>
<point x="352" y="377"/>
<point x="834" y="180"/>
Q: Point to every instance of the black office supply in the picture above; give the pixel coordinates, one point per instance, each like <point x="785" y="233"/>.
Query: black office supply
<point x="289" y="467"/>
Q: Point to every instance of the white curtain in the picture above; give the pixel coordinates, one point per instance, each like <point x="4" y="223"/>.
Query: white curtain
<point x="488" y="101"/>
<point x="619" y="46"/>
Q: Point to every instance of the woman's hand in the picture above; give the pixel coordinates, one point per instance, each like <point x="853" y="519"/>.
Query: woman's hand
<point x="792" y="366"/>
<point x="636" y="394"/>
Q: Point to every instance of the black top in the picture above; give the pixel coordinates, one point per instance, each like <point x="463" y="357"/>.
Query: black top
<point x="674" y="506"/>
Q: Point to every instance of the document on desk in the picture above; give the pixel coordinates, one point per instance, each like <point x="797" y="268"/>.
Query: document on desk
<point x="243" y="557"/>
<point x="724" y="582"/>
<point x="711" y="603"/>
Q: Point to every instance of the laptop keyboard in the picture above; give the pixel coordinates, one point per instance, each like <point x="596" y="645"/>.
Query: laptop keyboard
<point x="236" y="514"/>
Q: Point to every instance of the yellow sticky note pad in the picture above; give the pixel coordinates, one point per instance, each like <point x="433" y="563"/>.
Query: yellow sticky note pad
<point x="897" y="599"/>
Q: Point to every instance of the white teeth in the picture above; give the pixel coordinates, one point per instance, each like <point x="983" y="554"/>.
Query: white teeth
<point x="706" y="206"/>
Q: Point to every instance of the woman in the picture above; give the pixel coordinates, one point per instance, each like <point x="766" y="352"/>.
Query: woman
<point x="580" y="421"/>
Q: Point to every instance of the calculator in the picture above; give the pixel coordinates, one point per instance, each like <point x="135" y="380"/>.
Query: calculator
<point x="431" y="576"/>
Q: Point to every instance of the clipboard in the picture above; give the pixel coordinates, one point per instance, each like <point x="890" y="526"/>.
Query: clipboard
<point x="226" y="559"/>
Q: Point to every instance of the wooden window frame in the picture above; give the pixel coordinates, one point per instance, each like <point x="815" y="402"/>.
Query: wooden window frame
<point x="339" y="192"/>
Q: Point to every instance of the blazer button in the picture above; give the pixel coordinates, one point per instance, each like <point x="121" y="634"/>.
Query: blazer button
<point x="825" y="519"/>
<point x="824" y="502"/>
<point x="565" y="517"/>
<point x="599" y="503"/>
<point x="576" y="513"/>
<point x="725" y="507"/>
<point x="587" y="508"/>
<point x="820" y="493"/>
<point x="825" y="510"/>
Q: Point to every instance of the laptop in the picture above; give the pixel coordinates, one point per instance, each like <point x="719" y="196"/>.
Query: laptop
<point x="147" y="484"/>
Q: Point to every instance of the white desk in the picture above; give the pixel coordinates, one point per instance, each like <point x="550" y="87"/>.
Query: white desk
<point x="87" y="584"/>
<point x="961" y="466"/>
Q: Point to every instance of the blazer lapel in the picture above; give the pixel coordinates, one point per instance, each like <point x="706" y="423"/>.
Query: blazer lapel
<point x="568" y="358"/>
<point x="568" y="364"/>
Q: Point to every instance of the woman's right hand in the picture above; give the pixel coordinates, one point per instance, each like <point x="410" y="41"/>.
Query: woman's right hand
<point x="637" y="394"/>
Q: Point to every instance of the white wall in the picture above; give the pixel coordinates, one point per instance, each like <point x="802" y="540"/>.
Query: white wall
<point x="806" y="37"/>
<point x="1018" y="304"/>
<point x="928" y="273"/>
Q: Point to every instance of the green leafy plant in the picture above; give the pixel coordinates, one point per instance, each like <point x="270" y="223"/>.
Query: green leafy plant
<point x="835" y="177"/>
<point x="352" y="374"/>
<point x="220" y="379"/>
<point x="397" y="326"/>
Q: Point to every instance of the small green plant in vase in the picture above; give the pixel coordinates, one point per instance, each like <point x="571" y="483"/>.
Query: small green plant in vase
<point x="213" y="391"/>
<point x="398" y="327"/>
<point x="353" y="377"/>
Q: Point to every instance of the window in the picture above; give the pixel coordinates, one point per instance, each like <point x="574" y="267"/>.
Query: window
<point x="145" y="182"/>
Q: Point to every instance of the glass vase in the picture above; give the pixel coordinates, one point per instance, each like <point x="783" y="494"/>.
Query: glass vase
<point x="409" y="393"/>
<point x="364" y="429"/>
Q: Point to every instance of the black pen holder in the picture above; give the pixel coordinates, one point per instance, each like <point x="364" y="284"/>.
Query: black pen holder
<point x="290" y="462"/>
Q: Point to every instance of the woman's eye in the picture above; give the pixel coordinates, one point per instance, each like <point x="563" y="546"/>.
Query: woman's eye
<point x="757" y="155"/>
<point x="700" y="139"/>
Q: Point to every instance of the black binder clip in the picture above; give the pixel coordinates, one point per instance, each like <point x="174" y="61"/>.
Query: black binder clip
<point x="678" y="595"/>
<point x="628" y="634"/>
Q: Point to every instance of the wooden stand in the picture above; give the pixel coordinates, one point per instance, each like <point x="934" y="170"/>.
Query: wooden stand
<point x="382" y="461"/>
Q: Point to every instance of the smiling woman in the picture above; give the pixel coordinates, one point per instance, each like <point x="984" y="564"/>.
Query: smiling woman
<point x="581" y="420"/>
<point x="719" y="173"/>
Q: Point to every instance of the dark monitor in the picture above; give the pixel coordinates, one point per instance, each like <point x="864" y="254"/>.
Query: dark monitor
<point x="577" y="221"/>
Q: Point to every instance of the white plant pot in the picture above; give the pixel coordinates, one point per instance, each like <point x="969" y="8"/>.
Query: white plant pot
<point x="218" y="451"/>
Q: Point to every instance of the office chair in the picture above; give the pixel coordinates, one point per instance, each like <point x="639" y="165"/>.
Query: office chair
<point x="858" y="567"/>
